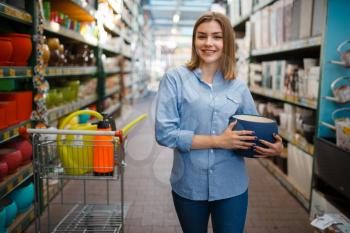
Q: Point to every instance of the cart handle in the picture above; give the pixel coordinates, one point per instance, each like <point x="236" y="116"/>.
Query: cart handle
<point x="119" y="133"/>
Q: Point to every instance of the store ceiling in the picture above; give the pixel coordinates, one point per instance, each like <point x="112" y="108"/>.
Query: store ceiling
<point x="163" y="15"/>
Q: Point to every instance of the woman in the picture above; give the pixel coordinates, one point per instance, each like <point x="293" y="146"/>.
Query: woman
<point x="193" y="109"/>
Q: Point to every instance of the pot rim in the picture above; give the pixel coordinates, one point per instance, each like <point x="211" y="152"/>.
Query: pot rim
<point x="18" y="35"/>
<point x="258" y="116"/>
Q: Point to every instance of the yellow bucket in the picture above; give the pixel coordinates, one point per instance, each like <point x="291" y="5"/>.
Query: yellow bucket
<point x="76" y="151"/>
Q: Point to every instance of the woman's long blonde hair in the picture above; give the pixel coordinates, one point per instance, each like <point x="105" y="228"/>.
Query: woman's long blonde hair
<point x="228" y="60"/>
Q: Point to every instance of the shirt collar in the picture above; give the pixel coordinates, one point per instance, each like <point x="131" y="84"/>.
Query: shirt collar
<point x="218" y="78"/>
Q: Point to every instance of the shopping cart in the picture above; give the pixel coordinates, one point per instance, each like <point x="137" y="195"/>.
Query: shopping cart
<point x="85" y="212"/>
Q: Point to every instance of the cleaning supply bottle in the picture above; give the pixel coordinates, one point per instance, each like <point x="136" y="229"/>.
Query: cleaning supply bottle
<point x="103" y="162"/>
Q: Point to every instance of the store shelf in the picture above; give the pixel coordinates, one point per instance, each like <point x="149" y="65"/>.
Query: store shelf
<point x="262" y="5"/>
<point x="12" y="181"/>
<point x="15" y="72"/>
<point x="70" y="71"/>
<point x="298" y="141"/>
<point x="288" y="47"/>
<point x="58" y="112"/>
<point x="22" y="221"/>
<point x="15" y="14"/>
<point x="109" y="49"/>
<point x="286" y="182"/>
<point x="126" y="3"/>
<point x="127" y="56"/>
<point x="113" y="109"/>
<point x="59" y="30"/>
<point x="115" y="30"/>
<point x="114" y="6"/>
<point x="86" y="8"/>
<point x="112" y="91"/>
<point x="114" y="70"/>
<point x="239" y="25"/>
<point x="295" y="100"/>
<point x="12" y="131"/>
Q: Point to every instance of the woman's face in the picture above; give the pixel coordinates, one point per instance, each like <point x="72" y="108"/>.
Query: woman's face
<point x="209" y="42"/>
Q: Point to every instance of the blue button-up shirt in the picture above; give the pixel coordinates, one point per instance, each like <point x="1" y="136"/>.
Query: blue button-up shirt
<point x="188" y="106"/>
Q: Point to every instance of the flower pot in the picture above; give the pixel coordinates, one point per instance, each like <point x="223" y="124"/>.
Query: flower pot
<point x="6" y="50"/>
<point x="23" y="197"/>
<point x="2" y="219"/>
<point x="12" y="157"/>
<point x="3" y="170"/>
<point x="25" y="148"/>
<point x="10" y="209"/>
<point x="263" y="127"/>
<point x="22" y="48"/>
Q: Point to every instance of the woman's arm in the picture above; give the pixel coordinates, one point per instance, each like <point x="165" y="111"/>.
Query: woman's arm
<point x="227" y="140"/>
<point x="167" y="124"/>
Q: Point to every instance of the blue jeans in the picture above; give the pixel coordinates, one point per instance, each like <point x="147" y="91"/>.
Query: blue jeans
<point x="227" y="215"/>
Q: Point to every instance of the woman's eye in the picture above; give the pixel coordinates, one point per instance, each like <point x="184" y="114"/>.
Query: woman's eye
<point x="217" y="37"/>
<point x="201" y="37"/>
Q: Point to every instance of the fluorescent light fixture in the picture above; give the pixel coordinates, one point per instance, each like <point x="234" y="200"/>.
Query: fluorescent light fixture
<point x="173" y="30"/>
<point x="176" y="18"/>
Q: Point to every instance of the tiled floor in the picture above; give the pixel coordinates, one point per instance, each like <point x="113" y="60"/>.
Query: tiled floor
<point x="147" y="190"/>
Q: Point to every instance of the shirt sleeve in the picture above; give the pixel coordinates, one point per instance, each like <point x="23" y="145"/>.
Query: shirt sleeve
<point x="247" y="105"/>
<point x="167" y="123"/>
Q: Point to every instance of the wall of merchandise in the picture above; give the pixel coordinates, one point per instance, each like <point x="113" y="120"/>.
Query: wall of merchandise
<point x="292" y="54"/>
<point x="59" y="56"/>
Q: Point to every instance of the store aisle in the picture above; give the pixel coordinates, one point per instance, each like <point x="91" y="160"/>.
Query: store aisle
<point x="271" y="208"/>
<point x="147" y="191"/>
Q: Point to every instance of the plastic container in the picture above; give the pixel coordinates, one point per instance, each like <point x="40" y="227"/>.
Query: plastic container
<point x="3" y="170"/>
<point x="23" y="197"/>
<point x="6" y="51"/>
<point x="22" y="48"/>
<point x="26" y="149"/>
<point x="103" y="151"/>
<point x="23" y="101"/>
<point x="12" y="157"/>
<point x="2" y="219"/>
<point x="3" y="123"/>
<point x="10" y="209"/>
<point x="10" y="108"/>
<point x="263" y="127"/>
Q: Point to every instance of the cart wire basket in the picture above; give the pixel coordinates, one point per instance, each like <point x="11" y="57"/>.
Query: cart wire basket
<point x="90" y="156"/>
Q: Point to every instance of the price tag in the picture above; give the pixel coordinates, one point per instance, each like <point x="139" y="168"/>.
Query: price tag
<point x="1" y="73"/>
<point x="9" y="187"/>
<point x="66" y="71"/>
<point x="51" y="71"/>
<point x="59" y="71"/>
<point x="12" y="72"/>
<point x="29" y="72"/>
<point x="15" y="131"/>
<point x="6" y="135"/>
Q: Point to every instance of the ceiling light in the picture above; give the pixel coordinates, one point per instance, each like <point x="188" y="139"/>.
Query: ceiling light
<point x="176" y="18"/>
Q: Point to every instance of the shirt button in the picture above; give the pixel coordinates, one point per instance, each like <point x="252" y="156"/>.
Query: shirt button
<point x="210" y="171"/>
<point x="212" y="151"/>
<point x="213" y="131"/>
<point x="214" y="113"/>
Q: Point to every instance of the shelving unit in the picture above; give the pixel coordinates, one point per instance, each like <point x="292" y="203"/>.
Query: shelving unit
<point x="70" y="71"/>
<point x="12" y="131"/>
<point x="12" y="181"/>
<point x="295" y="100"/>
<point x="289" y="47"/>
<point x="292" y="48"/>
<point x="15" y="14"/>
<point x="128" y="13"/>
<point x="328" y="159"/>
<point x="15" y="72"/>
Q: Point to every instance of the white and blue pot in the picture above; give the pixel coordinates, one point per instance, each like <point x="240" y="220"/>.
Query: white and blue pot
<point x="263" y="127"/>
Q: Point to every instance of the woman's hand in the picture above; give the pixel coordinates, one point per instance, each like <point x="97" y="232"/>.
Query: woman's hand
<point x="273" y="149"/>
<point x="235" y="139"/>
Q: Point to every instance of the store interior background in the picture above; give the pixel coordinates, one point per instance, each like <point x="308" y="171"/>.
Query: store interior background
<point x="109" y="55"/>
